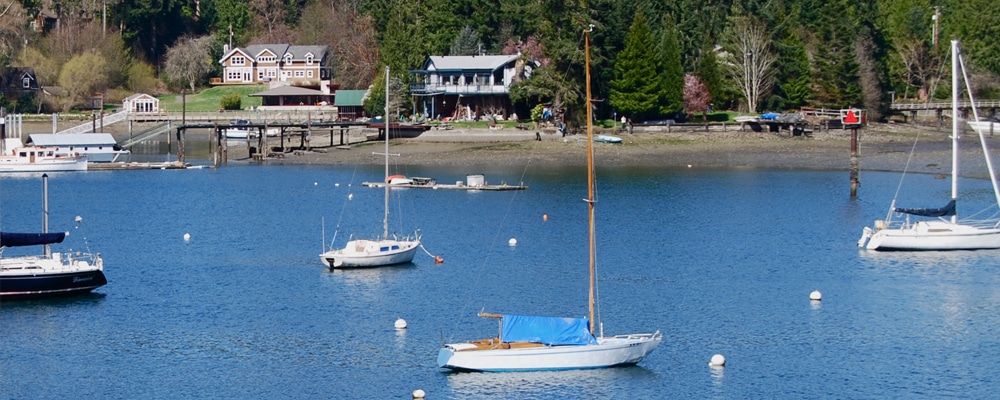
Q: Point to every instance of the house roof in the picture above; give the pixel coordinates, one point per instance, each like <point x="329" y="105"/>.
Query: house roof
<point x="467" y="63"/>
<point x="136" y="96"/>
<point x="297" y="52"/>
<point x="349" y="98"/>
<point x="289" y="91"/>
<point x="72" y="139"/>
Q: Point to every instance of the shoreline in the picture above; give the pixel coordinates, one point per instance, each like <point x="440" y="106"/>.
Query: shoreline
<point x="881" y="148"/>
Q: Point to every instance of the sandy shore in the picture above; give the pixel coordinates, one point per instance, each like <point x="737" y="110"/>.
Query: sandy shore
<point x="882" y="148"/>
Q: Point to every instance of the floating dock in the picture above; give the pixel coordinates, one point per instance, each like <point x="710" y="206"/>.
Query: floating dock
<point x="472" y="182"/>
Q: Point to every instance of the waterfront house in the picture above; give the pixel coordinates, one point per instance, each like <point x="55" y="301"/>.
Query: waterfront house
<point x="17" y="80"/>
<point x="303" y="66"/>
<point x="468" y="87"/>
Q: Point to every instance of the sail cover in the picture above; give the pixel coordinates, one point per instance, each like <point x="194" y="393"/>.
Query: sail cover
<point x="945" y="211"/>
<point x="546" y="330"/>
<point x="8" y="239"/>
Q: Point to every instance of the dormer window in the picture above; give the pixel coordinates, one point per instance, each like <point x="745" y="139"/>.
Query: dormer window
<point x="267" y="59"/>
<point x="288" y="58"/>
<point x="309" y="59"/>
<point x="26" y="82"/>
<point x="237" y="60"/>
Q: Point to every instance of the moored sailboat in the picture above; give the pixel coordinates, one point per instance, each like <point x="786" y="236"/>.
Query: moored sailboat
<point x="381" y="251"/>
<point x="48" y="274"/>
<point x="945" y="231"/>
<point x="539" y="343"/>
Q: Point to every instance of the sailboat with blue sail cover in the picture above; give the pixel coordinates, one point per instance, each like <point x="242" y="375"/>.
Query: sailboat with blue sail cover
<point x="542" y="343"/>
<point x="940" y="228"/>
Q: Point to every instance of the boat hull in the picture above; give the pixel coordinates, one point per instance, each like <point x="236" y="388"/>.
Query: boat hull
<point x="17" y="164"/>
<point x="371" y="253"/>
<point x="608" y="352"/>
<point x="934" y="236"/>
<point x="23" y="286"/>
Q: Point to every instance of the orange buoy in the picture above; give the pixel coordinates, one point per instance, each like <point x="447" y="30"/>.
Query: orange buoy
<point x="545" y="217"/>
<point x="438" y="260"/>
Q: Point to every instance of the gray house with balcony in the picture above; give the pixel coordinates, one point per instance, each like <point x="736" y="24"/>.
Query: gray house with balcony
<point x="468" y="87"/>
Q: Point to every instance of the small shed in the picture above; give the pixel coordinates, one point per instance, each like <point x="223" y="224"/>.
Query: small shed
<point x="350" y="104"/>
<point x="141" y="103"/>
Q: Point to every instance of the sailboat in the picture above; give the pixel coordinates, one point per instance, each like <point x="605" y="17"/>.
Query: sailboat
<point x="943" y="230"/>
<point x="381" y="251"/>
<point x="538" y="343"/>
<point x="48" y="274"/>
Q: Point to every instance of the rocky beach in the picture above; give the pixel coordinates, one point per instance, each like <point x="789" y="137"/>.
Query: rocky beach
<point x="882" y="147"/>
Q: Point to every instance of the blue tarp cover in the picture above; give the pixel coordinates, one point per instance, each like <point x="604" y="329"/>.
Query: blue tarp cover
<point x="946" y="211"/>
<point x="8" y="239"/>
<point x="546" y="330"/>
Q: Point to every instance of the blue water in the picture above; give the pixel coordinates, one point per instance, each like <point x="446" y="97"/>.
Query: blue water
<point x="721" y="261"/>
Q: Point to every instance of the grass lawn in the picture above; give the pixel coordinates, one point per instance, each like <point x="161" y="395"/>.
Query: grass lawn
<point x="210" y="99"/>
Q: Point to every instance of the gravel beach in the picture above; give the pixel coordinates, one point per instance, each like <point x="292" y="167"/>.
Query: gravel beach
<point x="883" y="147"/>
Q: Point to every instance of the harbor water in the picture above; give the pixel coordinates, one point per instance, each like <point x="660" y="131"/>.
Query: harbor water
<point x="721" y="261"/>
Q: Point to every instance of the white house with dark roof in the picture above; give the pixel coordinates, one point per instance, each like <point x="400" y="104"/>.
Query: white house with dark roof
<point x="304" y="66"/>
<point x="468" y="87"/>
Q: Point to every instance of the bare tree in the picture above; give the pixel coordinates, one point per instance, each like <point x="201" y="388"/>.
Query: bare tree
<point x="271" y="14"/>
<point x="189" y="61"/>
<point x="750" y="59"/>
<point x="922" y="67"/>
<point x="871" y="90"/>
<point x="354" y="46"/>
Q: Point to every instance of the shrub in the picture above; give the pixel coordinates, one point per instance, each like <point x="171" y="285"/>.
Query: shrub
<point x="231" y="102"/>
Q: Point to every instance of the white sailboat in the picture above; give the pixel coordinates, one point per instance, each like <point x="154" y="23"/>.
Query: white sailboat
<point x="381" y="251"/>
<point x="532" y="343"/>
<point x="946" y="231"/>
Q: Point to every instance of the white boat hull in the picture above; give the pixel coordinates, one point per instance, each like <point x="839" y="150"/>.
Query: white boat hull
<point x="932" y="235"/>
<point x="608" y="352"/>
<point x="985" y="127"/>
<point x="18" y="164"/>
<point x="362" y="253"/>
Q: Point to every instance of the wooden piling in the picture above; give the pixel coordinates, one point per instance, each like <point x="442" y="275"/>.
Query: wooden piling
<point x="854" y="163"/>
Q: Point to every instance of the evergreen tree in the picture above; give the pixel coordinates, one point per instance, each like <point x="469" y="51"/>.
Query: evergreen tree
<point x="710" y="74"/>
<point x="635" y="92"/>
<point x="670" y="70"/>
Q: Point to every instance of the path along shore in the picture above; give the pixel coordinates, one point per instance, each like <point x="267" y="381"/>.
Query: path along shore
<point x="883" y="147"/>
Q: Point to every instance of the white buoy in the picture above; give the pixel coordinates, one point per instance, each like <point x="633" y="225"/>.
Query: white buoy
<point x="79" y="219"/>
<point x="187" y="236"/>
<point x="350" y="196"/>
<point x="689" y="165"/>
<point x="418" y="394"/>
<point x="815" y="295"/>
<point x="718" y="360"/>
<point x="336" y="185"/>
<point x="315" y="183"/>
<point x="512" y="242"/>
<point x="400" y="323"/>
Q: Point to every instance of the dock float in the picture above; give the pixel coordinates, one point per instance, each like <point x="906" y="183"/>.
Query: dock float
<point x="472" y="182"/>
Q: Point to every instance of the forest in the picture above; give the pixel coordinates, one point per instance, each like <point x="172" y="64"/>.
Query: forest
<point x="650" y="59"/>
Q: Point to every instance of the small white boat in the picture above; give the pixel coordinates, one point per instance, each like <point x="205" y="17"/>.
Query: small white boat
<point x="939" y="228"/>
<point x="986" y="127"/>
<point x="747" y="118"/>
<point x="18" y="158"/>
<point x="607" y="139"/>
<point x="384" y="250"/>
<point x="538" y="343"/>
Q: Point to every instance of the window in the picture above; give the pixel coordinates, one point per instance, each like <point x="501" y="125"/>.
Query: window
<point x="237" y="60"/>
<point x="267" y="59"/>
<point x="288" y="58"/>
<point x="26" y="82"/>
<point x="309" y="74"/>
<point x="309" y="59"/>
<point x="234" y="75"/>
<point x="299" y="74"/>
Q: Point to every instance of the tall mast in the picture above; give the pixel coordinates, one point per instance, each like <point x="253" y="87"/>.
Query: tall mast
<point x="385" y="220"/>
<point x="954" y="123"/>
<point x="590" y="172"/>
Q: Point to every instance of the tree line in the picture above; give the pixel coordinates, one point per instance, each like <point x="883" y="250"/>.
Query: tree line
<point x="650" y="59"/>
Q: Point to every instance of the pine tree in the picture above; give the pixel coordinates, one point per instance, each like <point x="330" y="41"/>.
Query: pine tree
<point x="635" y="91"/>
<point x="670" y="69"/>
